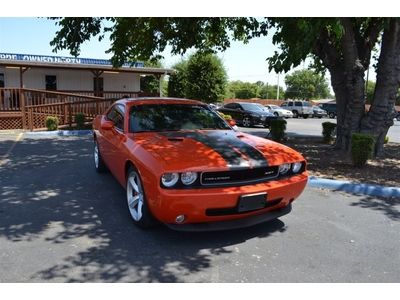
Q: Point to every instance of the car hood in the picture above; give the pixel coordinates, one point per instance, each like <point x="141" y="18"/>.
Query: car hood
<point x="213" y="150"/>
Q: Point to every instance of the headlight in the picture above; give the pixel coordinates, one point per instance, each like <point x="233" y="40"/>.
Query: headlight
<point x="296" y="167"/>
<point x="283" y="169"/>
<point x="169" y="179"/>
<point x="188" y="177"/>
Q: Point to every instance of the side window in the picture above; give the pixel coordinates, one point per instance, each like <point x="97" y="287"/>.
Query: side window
<point x="116" y="114"/>
<point x="297" y="103"/>
<point x="230" y="105"/>
<point x="290" y="104"/>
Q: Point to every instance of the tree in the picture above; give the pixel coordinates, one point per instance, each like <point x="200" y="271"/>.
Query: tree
<point x="270" y="92"/>
<point x="306" y="84"/>
<point x="343" y="46"/>
<point x="243" y="90"/>
<point x="177" y="81"/>
<point x="149" y="83"/>
<point x="206" y="78"/>
<point x="202" y="77"/>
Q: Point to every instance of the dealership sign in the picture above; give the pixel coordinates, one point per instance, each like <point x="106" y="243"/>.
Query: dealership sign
<point x="63" y="60"/>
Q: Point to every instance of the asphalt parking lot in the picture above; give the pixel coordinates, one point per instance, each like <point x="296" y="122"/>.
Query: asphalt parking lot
<point x="60" y="221"/>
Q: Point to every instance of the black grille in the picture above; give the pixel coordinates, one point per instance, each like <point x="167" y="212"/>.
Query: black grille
<point x="213" y="212"/>
<point x="239" y="176"/>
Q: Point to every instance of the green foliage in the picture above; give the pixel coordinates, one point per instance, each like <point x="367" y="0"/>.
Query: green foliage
<point x="177" y="81"/>
<point x="270" y="92"/>
<point x="226" y="117"/>
<point x="306" y="84"/>
<point x="246" y="90"/>
<point x="80" y="120"/>
<point x="278" y="128"/>
<point x="201" y="77"/>
<point x="206" y="78"/>
<point x="362" y="147"/>
<point x="370" y="89"/>
<point x="328" y="131"/>
<point x="243" y="90"/>
<point x="51" y="123"/>
<point x="386" y="140"/>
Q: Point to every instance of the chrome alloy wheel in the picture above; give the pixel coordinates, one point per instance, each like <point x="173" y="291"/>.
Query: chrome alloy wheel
<point x="96" y="155"/>
<point x="246" y="122"/>
<point x="134" y="195"/>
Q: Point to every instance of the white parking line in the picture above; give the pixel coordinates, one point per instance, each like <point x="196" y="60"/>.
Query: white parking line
<point x="4" y="158"/>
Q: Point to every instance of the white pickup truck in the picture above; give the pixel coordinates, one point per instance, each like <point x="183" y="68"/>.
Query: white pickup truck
<point x="299" y="108"/>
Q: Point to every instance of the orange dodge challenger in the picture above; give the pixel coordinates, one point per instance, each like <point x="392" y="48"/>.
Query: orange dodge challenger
<point x="184" y="165"/>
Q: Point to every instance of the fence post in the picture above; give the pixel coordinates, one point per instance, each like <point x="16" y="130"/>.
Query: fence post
<point x="65" y="114"/>
<point x="30" y="119"/>
<point x="22" y="107"/>
<point x="70" y="115"/>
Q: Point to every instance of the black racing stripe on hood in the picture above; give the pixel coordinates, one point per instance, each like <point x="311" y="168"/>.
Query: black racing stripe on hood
<point x="225" y="143"/>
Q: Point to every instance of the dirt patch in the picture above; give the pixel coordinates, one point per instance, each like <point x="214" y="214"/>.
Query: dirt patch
<point x="326" y="162"/>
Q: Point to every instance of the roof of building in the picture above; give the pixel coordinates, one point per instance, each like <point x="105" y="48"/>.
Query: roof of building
<point x="75" y="63"/>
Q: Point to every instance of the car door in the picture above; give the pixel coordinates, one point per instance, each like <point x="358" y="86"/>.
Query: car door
<point x="232" y="110"/>
<point x="114" y="140"/>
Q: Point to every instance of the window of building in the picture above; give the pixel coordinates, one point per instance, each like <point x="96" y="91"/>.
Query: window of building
<point x="1" y="80"/>
<point x="51" y="83"/>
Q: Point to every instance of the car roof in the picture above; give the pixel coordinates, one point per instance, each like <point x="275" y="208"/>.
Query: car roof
<point x="156" y="100"/>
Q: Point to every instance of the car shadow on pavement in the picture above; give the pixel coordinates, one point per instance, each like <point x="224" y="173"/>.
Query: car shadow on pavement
<point x="78" y="228"/>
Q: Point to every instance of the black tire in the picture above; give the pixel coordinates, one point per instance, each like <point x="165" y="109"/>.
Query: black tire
<point x="246" y="122"/>
<point x="98" y="161"/>
<point x="276" y="114"/>
<point x="295" y="114"/>
<point x="305" y="116"/>
<point x="331" y="115"/>
<point x="320" y="117"/>
<point x="145" y="220"/>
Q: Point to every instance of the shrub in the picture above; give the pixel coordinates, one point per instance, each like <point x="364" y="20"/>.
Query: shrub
<point x="226" y="117"/>
<point x="362" y="146"/>
<point x="328" y="131"/>
<point x="51" y="123"/>
<point x="277" y="129"/>
<point x="80" y="120"/>
<point x="386" y="140"/>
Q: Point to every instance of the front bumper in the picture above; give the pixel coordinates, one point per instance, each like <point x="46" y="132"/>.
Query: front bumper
<point x="232" y="224"/>
<point x="196" y="204"/>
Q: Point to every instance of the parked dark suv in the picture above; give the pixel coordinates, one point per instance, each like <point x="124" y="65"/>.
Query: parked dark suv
<point x="248" y="114"/>
<point x="330" y="109"/>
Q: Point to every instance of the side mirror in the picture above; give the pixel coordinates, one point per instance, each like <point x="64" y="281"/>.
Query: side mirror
<point x="107" y="125"/>
<point x="232" y="122"/>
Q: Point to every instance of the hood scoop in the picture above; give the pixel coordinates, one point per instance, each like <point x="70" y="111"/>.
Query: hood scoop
<point x="176" y="139"/>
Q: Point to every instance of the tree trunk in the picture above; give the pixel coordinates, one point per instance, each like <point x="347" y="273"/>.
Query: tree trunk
<point x="380" y="116"/>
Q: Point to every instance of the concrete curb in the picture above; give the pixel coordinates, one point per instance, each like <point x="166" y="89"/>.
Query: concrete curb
<point x="354" y="188"/>
<point x="60" y="133"/>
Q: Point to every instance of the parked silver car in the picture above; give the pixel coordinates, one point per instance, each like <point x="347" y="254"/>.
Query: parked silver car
<point x="279" y="111"/>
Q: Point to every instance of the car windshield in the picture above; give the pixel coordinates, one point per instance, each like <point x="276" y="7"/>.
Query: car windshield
<point x="263" y="108"/>
<point x="173" y="117"/>
<point x="274" y="107"/>
<point x="252" y="106"/>
<point x="306" y="104"/>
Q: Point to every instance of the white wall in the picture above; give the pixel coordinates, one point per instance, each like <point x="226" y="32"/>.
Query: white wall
<point x="71" y="80"/>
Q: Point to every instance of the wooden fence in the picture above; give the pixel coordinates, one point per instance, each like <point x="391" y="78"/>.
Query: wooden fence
<point x="28" y="108"/>
<point x="22" y="108"/>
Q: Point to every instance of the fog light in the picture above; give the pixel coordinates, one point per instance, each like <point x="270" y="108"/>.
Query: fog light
<point x="180" y="219"/>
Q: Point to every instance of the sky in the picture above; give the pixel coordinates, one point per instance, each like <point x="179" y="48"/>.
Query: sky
<point x="246" y="62"/>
